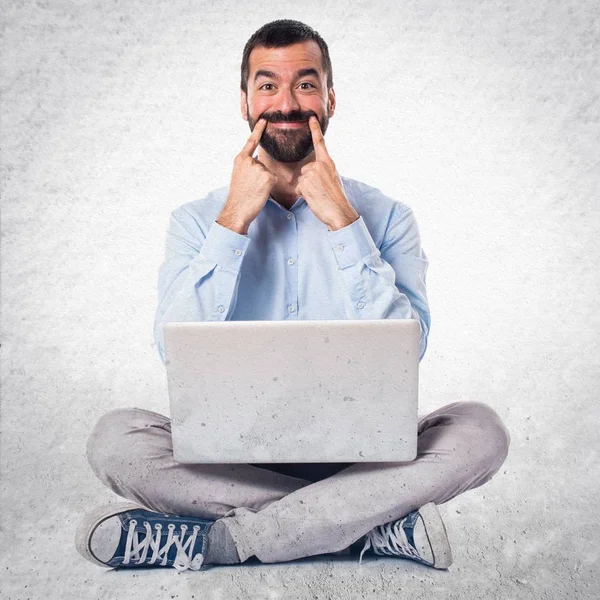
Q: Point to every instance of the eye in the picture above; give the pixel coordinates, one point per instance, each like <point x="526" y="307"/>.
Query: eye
<point x="303" y="83"/>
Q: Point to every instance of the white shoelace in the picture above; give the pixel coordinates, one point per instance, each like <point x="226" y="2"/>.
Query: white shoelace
<point x="182" y="562"/>
<point x="389" y="539"/>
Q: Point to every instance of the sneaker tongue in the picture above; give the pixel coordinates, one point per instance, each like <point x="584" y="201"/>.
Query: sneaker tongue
<point x="417" y="536"/>
<point x="140" y="529"/>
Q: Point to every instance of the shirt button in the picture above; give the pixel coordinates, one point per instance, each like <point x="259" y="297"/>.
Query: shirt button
<point x="289" y="215"/>
<point x="360" y="305"/>
<point x="291" y="308"/>
<point x="238" y="252"/>
<point x="290" y="261"/>
<point x="221" y="308"/>
<point x="340" y="247"/>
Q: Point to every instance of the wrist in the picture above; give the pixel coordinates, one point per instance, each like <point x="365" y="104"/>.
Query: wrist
<point x="345" y="220"/>
<point x="233" y="222"/>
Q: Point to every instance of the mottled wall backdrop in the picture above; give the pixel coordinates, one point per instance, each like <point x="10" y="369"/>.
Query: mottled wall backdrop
<point x="482" y="116"/>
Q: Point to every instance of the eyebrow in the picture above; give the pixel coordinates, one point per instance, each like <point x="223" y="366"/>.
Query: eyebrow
<point x="271" y="75"/>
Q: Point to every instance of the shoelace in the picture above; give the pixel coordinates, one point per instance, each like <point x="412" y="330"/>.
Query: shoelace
<point x="182" y="561"/>
<point x="389" y="539"/>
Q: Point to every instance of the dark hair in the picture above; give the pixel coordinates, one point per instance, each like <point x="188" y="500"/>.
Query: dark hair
<point x="279" y="34"/>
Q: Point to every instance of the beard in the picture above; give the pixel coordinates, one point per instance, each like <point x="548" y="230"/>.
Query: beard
<point x="288" y="145"/>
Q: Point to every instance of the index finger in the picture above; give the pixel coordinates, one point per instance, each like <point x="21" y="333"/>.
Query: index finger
<point x="318" y="139"/>
<point x="254" y="138"/>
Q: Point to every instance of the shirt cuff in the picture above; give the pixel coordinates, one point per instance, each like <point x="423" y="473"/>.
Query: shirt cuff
<point x="352" y="243"/>
<point x="225" y="247"/>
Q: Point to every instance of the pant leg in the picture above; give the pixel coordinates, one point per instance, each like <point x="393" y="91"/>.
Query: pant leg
<point x="130" y="451"/>
<point x="460" y="447"/>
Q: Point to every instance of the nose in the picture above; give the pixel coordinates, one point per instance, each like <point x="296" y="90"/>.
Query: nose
<point x="285" y="101"/>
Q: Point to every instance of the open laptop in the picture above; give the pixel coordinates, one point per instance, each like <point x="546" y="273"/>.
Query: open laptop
<point x="293" y="391"/>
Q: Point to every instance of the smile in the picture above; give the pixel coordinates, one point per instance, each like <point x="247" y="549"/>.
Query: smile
<point x="284" y="125"/>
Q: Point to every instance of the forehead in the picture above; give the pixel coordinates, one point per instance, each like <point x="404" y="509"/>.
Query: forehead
<point x="287" y="60"/>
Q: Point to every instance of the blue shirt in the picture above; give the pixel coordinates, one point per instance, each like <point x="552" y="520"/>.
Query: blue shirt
<point x="290" y="266"/>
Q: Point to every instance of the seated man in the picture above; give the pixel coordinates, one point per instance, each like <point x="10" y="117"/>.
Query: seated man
<point x="287" y="239"/>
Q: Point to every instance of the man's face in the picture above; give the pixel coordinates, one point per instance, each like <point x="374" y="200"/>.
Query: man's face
<point x="286" y="98"/>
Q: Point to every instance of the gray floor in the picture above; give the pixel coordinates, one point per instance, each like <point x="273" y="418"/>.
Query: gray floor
<point x="483" y="117"/>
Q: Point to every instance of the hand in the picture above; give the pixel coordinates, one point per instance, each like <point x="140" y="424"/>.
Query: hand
<point x="320" y="185"/>
<point x="251" y="184"/>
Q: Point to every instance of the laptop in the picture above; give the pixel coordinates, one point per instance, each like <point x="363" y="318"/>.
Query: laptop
<point x="293" y="391"/>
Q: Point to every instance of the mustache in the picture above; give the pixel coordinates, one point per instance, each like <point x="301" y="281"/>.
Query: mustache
<point x="291" y="118"/>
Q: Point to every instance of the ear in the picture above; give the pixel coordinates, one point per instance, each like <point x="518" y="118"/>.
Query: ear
<point x="243" y="105"/>
<point x="331" y="102"/>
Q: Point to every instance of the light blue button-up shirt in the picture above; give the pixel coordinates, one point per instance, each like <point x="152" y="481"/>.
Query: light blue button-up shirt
<point x="290" y="266"/>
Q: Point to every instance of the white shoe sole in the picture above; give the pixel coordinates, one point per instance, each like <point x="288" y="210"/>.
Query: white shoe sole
<point x="437" y="535"/>
<point x="88" y="524"/>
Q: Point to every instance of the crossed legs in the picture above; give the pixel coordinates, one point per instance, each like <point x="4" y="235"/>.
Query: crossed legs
<point x="285" y="512"/>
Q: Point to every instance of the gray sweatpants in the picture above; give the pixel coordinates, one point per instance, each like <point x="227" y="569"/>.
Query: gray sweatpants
<point x="281" y="512"/>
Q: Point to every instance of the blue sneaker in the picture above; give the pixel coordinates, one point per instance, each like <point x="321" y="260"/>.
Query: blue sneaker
<point x="420" y="535"/>
<point x="128" y="535"/>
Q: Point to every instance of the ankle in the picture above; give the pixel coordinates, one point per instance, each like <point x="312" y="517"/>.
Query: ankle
<point x="221" y="548"/>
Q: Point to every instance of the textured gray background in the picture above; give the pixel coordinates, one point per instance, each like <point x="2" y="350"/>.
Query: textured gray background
<point x="482" y="116"/>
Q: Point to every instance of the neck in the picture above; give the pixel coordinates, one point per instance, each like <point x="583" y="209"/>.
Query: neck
<point x="284" y="191"/>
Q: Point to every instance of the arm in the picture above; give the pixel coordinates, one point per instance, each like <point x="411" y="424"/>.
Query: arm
<point x="386" y="283"/>
<point x="198" y="281"/>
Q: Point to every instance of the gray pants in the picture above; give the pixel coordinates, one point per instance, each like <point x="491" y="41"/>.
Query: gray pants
<point x="281" y="512"/>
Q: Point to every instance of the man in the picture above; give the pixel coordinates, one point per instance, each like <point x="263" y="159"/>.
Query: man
<point x="289" y="238"/>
